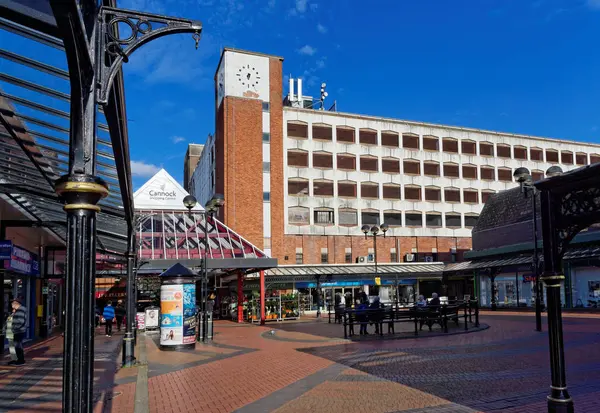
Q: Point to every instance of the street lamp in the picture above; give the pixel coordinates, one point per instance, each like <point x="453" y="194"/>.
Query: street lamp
<point x="523" y="177"/>
<point x="374" y="230"/>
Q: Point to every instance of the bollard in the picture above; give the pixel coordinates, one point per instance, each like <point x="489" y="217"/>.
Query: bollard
<point x="209" y="328"/>
<point x="200" y="327"/>
<point x="345" y="325"/>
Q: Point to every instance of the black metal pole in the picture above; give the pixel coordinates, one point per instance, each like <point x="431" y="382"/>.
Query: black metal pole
<point x="493" y="279"/>
<point x="2" y="272"/>
<point x="375" y="249"/>
<point x="204" y="284"/>
<point x="559" y="400"/>
<point x="318" y="296"/>
<point x="128" y="340"/>
<point x="535" y="266"/>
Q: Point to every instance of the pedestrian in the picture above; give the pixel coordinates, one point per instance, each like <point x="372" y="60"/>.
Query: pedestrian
<point x="363" y="319"/>
<point x="421" y="302"/>
<point x="14" y="330"/>
<point x="109" y="317"/>
<point x="435" y="300"/>
<point x="120" y="314"/>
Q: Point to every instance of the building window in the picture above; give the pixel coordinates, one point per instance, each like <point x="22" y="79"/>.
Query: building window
<point x="391" y="139"/>
<point x="324" y="257"/>
<point x="487" y="173"/>
<point x="346" y="162"/>
<point x="390" y="165"/>
<point x="486" y="194"/>
<point x="412" y="167"/>
<point x="453" y="220"/>
<point x="298" y="187"/>
<point x="297" y="130"/>
<point x="469" y="171"/>
<point x="266" y="106"/>
<point x="367" y="136"/>
<point x="266" y="137"/>
<point x="299" y="258"/>
<point x="345" y="134"/>
<point x="581" y="158"/>
<point x="594" y="158"/>
<point x="431" y="143"/>
<point x="266" y="196"/>
<point x="347" y="217"/>
<point x="369" y="164"/>
<point x="412" y="193"/>
<point x="451" y="195"/>
<point x="536" y="154"/>
<point x="322" y="132"/>
<point x="322" y="187"/>
<point x="322" y="160"/>
<point x="520" y="152"/>
<point x="297" y="158"/>
<point x="433" y="194"/>
<point x="566" y="157"/>
<point x="471" y="220"/>
<point x="431" y="168"/>
<point x="346" y="189"/>
<point x="324" y="217"/>
<point x="410" y="141"/>
<point x="505" y="174"/>
<point x="392" y="191"/>
<point x="486" y="149"/>
<point x="393" y="255"/>
<point x="503" y="151"/>
<point x="392" y="218"/>
<point x="266" y="167"/>
<point x="348" y="257"/>
<point x="551" y="155"/>
<point x="370" y="217"/>
<point x="298" y="216"/>
<point x="433" y="220"/>
<point x="369" y="190"/>
<point x="537" y="175"/>
<point x="414" y="219"/>
<point x="470" y="196"/>
<point x="468" y="147"/>
<point x="450" y="145"/>
<point x="451" y="170"/>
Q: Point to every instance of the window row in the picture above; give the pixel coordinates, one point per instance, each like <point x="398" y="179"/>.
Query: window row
<point x="349" y="218"/>
<point x="372" y="190"/>
<point x="366" y="136"/>
<point x="368" y="163"/>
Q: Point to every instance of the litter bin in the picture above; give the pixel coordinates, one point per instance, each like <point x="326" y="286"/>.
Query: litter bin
<point x="178" y="321"/>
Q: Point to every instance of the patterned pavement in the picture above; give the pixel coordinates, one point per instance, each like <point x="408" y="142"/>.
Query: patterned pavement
<point x="299" y="368"/>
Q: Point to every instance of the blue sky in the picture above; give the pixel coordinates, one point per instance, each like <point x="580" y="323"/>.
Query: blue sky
<point x="524" y="66"/>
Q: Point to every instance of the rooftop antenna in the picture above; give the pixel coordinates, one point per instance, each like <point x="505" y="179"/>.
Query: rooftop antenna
<point x="323" y="95"/>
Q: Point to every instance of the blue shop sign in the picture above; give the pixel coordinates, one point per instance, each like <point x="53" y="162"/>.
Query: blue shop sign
<point x="20" y="260"/>
<point x="5" y="250"/>
<point x="357" y="283"/>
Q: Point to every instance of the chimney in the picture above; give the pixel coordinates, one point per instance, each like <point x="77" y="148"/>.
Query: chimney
<point x="300" y="99"/>
<point x="291" y="92"/>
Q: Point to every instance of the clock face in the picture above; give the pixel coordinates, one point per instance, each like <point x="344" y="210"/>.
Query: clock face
<point x="248" y="76"/>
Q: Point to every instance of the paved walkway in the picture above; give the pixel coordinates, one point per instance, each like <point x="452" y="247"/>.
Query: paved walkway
<point x="250" y="369"/>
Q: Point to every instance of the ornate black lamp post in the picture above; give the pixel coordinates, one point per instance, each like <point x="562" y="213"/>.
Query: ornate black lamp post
<point x="95" y="52"/>
<point x="524" y="179"/>
<point x="374" y="230"/>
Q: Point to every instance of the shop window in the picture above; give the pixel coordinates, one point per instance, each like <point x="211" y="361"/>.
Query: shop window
<point x="486" y="194"/>
<point x="370" y="217"/>
<point x="470" y="196"/>
<point x="453" y="220"/>
<point x="486" y="149"/>
<point x="367" y="136"/>
<point x="298" y="187"/>
<point x="520" y="152"/>
<point x="452" y="195"/>
<point x="390" y="165"/>
<point x="537" y="175"/>
<point x="297" y="158"/>
<point x="299" y="258"/>
<point x="487" y="173"/>
<point x="433" y="194"/>
<point x="412" y="193"/>
<point x="536" y="154"/>
<point x="594" y="158"/>
<point x="412" y="167"/>
<point x="369" y="164"/>
<point x="503" y="151"/>
<point x="322" y="187"/>
<point x="566" y="157"/>
<point x="345" y="134"/>
<point x="450" y="145"/>
<point x="505" y="174"/>
<point x="431" y="143"/>
<point x="450" y="170"/>
<point x="347" y="217"/>
<point x="297" y="130"/>
<point x="298" y="216"/>
<point x="321" y="132"/>
<point x="323" y="216"/>
<point x="469" y="171"/>
<point x="431" y="168"/>
<point x="322" y="160"/>
<point x="471" y="220"/>
<point x="551" y="156"/>
<point x="581" y="158"/>
<point x="414" y="219"/>
<point x="369" y="190"/>
<point x="391" y="139"/>
<point x="468" y="147"/>
<point x="346" y="161"/>
<point x="410" y="141"/>
<point x="391" y="191"/>
<point x="433" y="220"/>
<point x="392" y="218"/>
<point x="346" y="189"/>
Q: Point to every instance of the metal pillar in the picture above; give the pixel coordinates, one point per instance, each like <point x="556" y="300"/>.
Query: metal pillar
<point x="536" y="266"/>
<point x="318" y="296"/>
<point x="493" y="305"/>
<point x="262" y="298"/>
<point x="559" y="400"/>
<point x="129" y="340"/>
<point x="240" y="298"/>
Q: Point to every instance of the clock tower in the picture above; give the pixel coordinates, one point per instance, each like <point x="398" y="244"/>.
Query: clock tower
<point x="249" y="145"/>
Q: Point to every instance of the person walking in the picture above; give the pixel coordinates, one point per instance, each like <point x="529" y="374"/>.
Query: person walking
<point x="14" y="330"/>
<point x="109" y="317"/>
<point x="119" y="314"/>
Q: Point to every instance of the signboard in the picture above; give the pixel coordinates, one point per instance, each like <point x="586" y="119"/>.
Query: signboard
<point x="171" y="317"/>
<point x="357" y="283"/>
<point x="152" y="317"/>
<point x="140" y="319"/>
<point x="44" y="290"/>
<point x="528" y="278"/>
<point x="20" y="260"/>
<point x="161" y="192"/>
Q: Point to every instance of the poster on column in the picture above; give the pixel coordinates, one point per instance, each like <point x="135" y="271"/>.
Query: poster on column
<point x="189" y="313"/>
<point x="171" y="319"/>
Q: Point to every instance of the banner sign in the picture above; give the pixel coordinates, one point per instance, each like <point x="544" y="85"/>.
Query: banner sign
<point x="189" y="313"/>
<point x="152" y="317"/>
<point x="171" y="317"/>
<point x="20" y="260"/>
<point x="527" y="278"/>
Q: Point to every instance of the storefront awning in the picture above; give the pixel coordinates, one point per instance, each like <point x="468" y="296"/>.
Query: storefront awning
<point x="324" y="270"/>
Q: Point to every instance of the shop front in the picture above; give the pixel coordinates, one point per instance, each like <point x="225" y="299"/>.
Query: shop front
<point x="585" y="287"/>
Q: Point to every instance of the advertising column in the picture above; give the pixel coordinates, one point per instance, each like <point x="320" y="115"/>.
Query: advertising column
<point x="178" y="316"/>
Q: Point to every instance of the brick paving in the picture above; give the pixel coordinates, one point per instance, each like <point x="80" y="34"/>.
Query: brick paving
<point x="250" y="369"/>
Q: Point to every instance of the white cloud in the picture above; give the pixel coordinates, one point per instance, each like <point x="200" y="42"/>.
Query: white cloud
<point x="143" y="169"/>
<point x="320" y="64"/>
<point x="271" y="4"/>
<point x="177" y="139"/>
<point x="301" y="5"/>
<point x="321" y="28"/>
<point x="307" y="50"/>
<point x="594" y="4"/>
